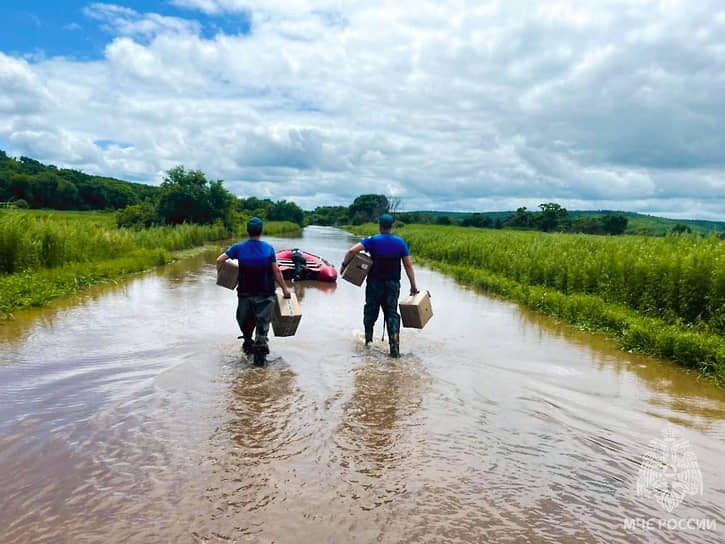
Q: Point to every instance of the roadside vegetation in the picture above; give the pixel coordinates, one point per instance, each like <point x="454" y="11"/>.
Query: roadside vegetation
<point x="45" y="254"/>
<point x="660" y="296"/>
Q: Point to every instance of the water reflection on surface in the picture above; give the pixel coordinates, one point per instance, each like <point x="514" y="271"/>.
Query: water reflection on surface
<point x="376" y="433"/>
<point x="129" y="414"/>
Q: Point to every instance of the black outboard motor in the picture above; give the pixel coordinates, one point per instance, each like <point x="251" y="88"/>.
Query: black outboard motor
<point x="300" y="264"/>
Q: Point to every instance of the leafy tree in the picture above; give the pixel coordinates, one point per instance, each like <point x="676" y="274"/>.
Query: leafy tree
<point x="521" y="219"/>
<point x="93" y="196"/>
<point x="552" y="217"/>
<point x="184" y="197"/>
<point x="478" y="220"/>
<point x="66" y="195"/>
<point x="223" y="204"/>
<point x="367" y="208"/>
<point x="328" y="216"/>
<point x="286" y="211"/>
<point x="119" y="196"/>
<point x="46" y="186"/>
<point x="614" y="224"/>
<point x="443" y="220"/>
<point x="413" y="217"/>
<point x="587" y="225"/>
<point x="19" y="187"/>
<point x="31" y="166"/>
<point x="138" y="215"/>
<point x="187" y="196"/>
<point x="281" y="210"/>
<point x="681" y="228"/>
<point x="253" y="203"/>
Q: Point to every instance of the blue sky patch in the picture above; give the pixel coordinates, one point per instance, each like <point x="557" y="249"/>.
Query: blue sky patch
<point x="38" y="29"/>
<point x="105" y="144"/>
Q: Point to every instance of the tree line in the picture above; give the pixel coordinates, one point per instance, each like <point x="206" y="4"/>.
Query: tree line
<point x="552" y="217"/>
<point x="30" y="184"/>
<point x="187" y="196"/>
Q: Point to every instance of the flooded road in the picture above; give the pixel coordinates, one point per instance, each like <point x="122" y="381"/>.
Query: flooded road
<point x="131" y="415"/>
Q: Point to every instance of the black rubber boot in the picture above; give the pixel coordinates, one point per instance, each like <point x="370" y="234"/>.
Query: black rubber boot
<point x="260" y="354"/>
<point x="260" y="357"/>
<point x="395" y="345"/>
<point x="368" y="336"/>
<point x="248" y="346"/>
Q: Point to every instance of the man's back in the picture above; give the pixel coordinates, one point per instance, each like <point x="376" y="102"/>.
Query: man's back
<point x="256" y="277"/>
<point x="386" y="250"/>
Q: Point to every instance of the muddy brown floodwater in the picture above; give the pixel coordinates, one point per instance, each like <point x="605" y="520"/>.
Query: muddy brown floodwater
<point x="130" y="415"/>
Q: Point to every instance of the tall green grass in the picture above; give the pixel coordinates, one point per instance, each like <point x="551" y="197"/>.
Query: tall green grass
<point x="679" y="278"/>
<point x="46" y="255"/>
<point x="31" y="241"/>
<point x="661" y="296"/>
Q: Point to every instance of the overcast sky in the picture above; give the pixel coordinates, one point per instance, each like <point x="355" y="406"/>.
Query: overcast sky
<point x="602" y="104"/>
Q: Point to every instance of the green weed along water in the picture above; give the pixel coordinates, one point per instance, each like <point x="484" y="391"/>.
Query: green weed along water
<point x="675" y="278"/>
<point x="28" y="242"/>
<point x="44" y="255"/>
<point x="51" y="254"/>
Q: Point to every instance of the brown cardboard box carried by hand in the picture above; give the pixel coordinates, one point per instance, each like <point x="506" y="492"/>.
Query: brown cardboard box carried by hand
<point x="357" y="269"/>
<point x="287" y="315"/>
<point x="416" y="310"/>
<point x="228" y="275"/>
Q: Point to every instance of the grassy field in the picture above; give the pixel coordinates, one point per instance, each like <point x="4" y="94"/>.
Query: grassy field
<point x="661" y="296"/>
<point x="45" y="255"/>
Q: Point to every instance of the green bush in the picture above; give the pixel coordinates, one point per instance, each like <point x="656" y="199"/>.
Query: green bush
<point x="142" y="215"/>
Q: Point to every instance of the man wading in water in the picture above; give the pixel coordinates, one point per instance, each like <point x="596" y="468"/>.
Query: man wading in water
<point x="383" y="280"/>
<point x="258" y="272"/>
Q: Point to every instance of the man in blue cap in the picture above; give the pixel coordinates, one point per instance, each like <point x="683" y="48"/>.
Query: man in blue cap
<point x="383" y="281"/>
<point x="258" y="272"/>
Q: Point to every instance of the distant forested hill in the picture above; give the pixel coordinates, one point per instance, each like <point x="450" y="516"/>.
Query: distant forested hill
<point x="637" y="223"/>
<point x="652" y="224"/>
<point x="27" y="181"/>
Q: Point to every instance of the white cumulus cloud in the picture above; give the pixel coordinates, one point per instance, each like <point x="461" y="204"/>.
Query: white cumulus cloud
<point x="593" y="104"/>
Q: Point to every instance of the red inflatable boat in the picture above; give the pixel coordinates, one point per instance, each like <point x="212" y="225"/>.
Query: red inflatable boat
<point x="300" y="265"/>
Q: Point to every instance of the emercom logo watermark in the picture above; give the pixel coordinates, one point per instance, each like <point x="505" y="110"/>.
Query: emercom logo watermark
<point x="669" y="473"/>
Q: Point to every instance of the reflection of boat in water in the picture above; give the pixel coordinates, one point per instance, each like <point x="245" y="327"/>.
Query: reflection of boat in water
<point x="301" y="265"/>
<point x="302" y="287"/>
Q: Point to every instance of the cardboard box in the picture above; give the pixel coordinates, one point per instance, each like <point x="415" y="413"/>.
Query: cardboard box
<point x="357" y="269"/>
<point x="287" y="315"/>
<point x="416" y="310"/>
<point x="228" y="275"/>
